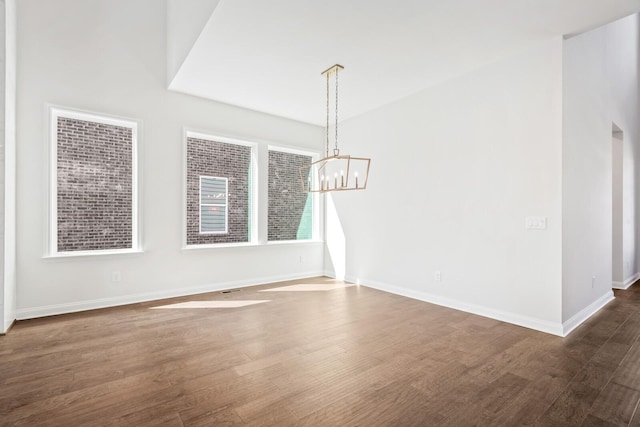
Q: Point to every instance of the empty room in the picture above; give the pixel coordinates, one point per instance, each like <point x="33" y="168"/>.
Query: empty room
<point x="319" y="213"/>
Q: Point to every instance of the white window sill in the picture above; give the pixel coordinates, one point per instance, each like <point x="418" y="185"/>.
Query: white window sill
<point x="90" y="254"/>
<point x="220" y="246"/>
<point x="252" y="245"/>
<point x="294" y="242"/>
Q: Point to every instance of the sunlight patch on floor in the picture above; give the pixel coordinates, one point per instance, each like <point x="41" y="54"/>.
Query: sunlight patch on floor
<point x="308" y="288"/>
<point x="212" y="304"/>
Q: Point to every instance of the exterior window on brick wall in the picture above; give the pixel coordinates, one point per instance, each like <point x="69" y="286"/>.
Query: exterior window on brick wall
<point x="93" y="184"/>
<point x="290" y="213"/>
<point x="219" y="190"/>
<point x="213" y="205"/>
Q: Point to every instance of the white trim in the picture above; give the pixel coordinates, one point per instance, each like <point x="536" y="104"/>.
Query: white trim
<point x="72" y="307"/>
<point x="251" y="244"/>
<point x="8" y="324"/>
<point x="256" y="157"/>
<point x="226" y="205"/>
<point x="253" y="219"/>
<point x="52" y="247"/>
<point x="255" y="190"/>
<point x="183" y="231"/>
<point x="294" y="242"/>
<point x="627" y="283"/>
<point x="220" y="246"/>
<point x="102" y="253"/>
<point x="54" y="112"/>
<point x="578" y="318"/>
<point x="235" y="138"/>
<point x="504" y="316"/>
<point x="315" y="155"/>
<point x="219" y="138"/>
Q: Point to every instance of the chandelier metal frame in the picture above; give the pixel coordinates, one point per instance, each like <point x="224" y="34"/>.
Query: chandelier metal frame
<point x="349" y="173"/>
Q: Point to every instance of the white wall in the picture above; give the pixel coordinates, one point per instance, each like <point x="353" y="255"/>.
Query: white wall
<point x="185" y="21"/>
<point x="10" y="219"/>
<point x="455" y="170"/>
<point x="600" y="74"/>
<point x="7" y="164"/>
<point x="3" y="181"/>
<point x="617" y="164"/>
<point x="108" y="56"/>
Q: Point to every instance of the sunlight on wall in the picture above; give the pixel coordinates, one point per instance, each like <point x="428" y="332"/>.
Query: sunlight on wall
<point x="336" y="242"/>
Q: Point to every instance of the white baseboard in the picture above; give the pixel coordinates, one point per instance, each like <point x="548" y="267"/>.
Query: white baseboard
<point x="72" y="307"/>
<point x="578" y="318"/>
<point x="8" y="324"/>
<point x="516" y="319"/>
<point x="627" y="283"/>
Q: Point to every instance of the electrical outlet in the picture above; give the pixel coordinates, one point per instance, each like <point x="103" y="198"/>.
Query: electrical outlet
<point x="535" y="223"/>
<point x="593" y="282"/>
<point x="115" y="276"/>
<point x="438" y="276"/>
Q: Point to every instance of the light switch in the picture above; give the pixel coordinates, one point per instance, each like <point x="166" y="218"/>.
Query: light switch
<point x="536" y="223"/>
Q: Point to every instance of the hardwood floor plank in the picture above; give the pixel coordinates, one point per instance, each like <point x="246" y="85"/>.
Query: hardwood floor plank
<point x="350" y="356"/>
<point x="616" y="404"/>
<point x="525" y="408"/>
<point x="592" y="421"/>
<point x="493" y="398"/>
<point x="222" y="416"/>
<point x="393" y="405"/>
<point x="571" y="407"/>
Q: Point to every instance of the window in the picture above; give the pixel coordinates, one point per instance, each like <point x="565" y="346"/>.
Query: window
<point x="93" y="183"/>
<point x="290" y="211"/>
<point x="213" y="205"/>
<point x="219" y="193"/>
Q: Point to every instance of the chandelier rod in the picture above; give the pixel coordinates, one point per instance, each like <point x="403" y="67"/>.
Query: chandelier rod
<point x="336" y="151"/>
<point x="327" y="127"/>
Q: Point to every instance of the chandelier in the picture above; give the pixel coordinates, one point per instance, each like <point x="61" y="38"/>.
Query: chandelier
<point x="335" y="172"/>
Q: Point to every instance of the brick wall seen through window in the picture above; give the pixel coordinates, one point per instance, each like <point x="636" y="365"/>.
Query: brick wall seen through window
<point x="290" y="210"/>
<point x="223" y="160"/>
<point x="94" y="167"/>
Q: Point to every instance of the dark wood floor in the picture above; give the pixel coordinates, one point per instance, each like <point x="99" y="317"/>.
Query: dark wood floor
<point x="352" y="356"/>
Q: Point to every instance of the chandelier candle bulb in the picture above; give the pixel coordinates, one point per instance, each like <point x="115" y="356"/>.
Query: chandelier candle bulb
<point x="341" y="178"/>
<point x="335" y="180"/>
<point x="356" y="175"/>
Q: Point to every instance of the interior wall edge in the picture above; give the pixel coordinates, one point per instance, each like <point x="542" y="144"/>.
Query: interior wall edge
<point x="584" y="314"/>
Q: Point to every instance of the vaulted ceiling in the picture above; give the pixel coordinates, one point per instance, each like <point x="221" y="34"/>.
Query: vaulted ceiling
<point x="268" y="55"/>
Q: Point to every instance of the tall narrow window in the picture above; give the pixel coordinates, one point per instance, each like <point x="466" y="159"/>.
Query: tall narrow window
<point x="290" y="209"/>
<point x="213" y="205"/>
<point x="219" y="190"/>
<point x="94" y="196"/>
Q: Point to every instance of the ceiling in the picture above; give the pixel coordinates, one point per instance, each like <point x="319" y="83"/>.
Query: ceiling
<point x="268" y="55"/>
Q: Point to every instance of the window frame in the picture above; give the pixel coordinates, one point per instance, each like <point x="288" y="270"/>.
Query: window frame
<point x="52" y="243"/>
<point x="226" y="205"/>
<point x="253" y="201"/>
